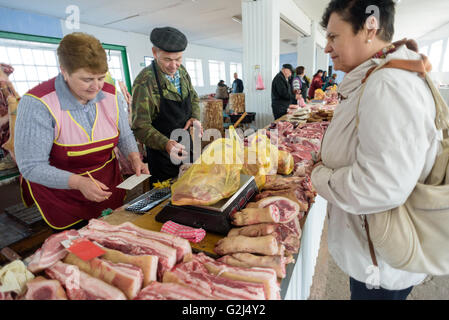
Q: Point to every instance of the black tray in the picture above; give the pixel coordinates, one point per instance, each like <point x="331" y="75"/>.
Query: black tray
<point x="250" y="117"/>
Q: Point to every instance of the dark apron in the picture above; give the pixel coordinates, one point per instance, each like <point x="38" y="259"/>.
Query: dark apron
<point x="172" y="115"/>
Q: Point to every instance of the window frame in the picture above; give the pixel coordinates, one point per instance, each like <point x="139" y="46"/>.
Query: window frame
<point x="199" y="73"/>
<point x="53" y="40"/>
<point x="220" y="63"/>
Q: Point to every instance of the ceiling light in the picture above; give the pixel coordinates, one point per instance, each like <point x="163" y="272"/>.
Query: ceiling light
<point x="237" y="19"/>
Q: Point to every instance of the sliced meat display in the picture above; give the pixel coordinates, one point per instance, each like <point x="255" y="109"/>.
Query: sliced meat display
<point x="267" y="245"/>
<point x="255" y="230"/>
<point x="181" y="245"/>
<point x="147" y="263"/>
<point x="293" y="194"/>
<point x="43" y="289"/>
<point x="51" y="251"/>
<point x="277" y="263"/>
<point x="196" y="275"/>
<point x="288" y="208"/>
<point x="131" y="244"/>
<point x="81" y="286"/>
<point x="266" y="276"/>
<point x="170" y="291"/>
<point x="250" y="216"/>
<point x="126" y="277"/>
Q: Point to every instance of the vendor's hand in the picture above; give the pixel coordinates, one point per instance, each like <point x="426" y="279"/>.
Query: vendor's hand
<point x="196" y="124"/>
<point x="137" y="164"/>
<point x="89" y="189"/>
<point x="176" y="150"/>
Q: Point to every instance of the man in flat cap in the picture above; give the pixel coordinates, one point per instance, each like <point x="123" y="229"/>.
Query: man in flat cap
<point x="164" y="100"/>
<point x="281" y="91"/>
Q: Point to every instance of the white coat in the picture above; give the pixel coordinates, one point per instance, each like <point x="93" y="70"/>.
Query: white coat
<point x="375" y="167"/>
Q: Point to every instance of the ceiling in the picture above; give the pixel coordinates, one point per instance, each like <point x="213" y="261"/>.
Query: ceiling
<point x="210" y="23"/>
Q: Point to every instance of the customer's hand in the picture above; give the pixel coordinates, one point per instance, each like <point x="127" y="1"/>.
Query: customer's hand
<point x="89" y="188"/>
<point x="176" y="150"/>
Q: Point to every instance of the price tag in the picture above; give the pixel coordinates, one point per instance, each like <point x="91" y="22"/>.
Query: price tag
<point x="85" y="249"/>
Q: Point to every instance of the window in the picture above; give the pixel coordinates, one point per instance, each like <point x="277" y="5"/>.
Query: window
<point x="446" y="58"/>
<point x="34" y="60"/>
<point x="216" y="72"/>
<point x="115" y="65"/>
<point x="435" y="55"/>
<point x="33" y="63"/>
<point x="195" y="69"/>
<point x="425" y="50"/>
<point x="148" y="60"/>
<point x="233" y="68"/>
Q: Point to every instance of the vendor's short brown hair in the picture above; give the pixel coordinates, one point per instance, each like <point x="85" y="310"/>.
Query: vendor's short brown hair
<point x="80" y="50"/>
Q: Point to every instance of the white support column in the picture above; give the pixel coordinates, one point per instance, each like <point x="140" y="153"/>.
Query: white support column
<point x="261" y="37"/>
<point x="306" y="49"/>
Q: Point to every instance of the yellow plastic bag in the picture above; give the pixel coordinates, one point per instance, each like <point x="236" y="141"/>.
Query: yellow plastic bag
<point x="286" y="163"/>
<point x="260" y="158"/>
<point x="214" y="176"/>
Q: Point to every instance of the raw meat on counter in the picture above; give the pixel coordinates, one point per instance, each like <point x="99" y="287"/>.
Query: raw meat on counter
<point x="170" y="291"/>
<point x="126" y="277"/>
<point x="288" y="208"/>
<point x="267" y="245"/>
<point x="51" y="251"/>
<point x="41" y="288"/>
<point x="247" y="260"/>
<point x="181" y="245"/>
<point x="266" y="276"/>
<point x="147" y="263"/>
<point x="195" y="274"/>
<point x="250" y="216"/>
<point x="256" y="230"/>
<point x="131" y="244"/>
<point x="81" y="286"/>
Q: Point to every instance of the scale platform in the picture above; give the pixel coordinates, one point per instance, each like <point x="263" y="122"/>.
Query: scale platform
<point x="214" y="218"/>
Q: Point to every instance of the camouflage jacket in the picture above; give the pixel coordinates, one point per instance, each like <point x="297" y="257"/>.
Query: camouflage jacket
<point x="146" y="101"/>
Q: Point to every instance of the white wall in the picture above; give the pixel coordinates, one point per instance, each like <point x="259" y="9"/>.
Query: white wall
<point x="139" y="45"/>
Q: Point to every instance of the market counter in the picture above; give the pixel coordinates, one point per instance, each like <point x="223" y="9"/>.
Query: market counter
<point x="298" y="281"/>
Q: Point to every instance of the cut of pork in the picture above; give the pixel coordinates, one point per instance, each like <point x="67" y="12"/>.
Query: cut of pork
<point x="81" y="286"/>
<point x="288" y="208"/>
<point x="43" y="289"/>
<point x="51" y="251"/>
<point x="170" y="291"/>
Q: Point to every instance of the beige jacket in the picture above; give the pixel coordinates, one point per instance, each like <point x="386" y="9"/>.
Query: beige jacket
<point x="375" y="167"/>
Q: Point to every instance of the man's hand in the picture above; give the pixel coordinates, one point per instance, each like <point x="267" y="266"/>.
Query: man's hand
<point x="137" y="164"/>
<point x="196" y="125"/>
<point x="89" y="189"/>
<point x="176" y="150"/>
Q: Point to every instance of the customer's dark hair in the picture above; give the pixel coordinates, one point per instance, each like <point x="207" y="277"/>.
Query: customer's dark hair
<point x="356" y="12"/>
<point x="300" y="70"/>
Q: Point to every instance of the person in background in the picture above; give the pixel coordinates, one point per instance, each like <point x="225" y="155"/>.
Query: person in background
<point x="330" y="81"/>
<point x="222" y="92"/>
<point x="237" y="84"/>
<point x="65" y="133"/>
<point x="281" y="92"/>
<point x="317" y="83"/>
<point x="324" y="77"/>
<point x="300" y="84"/>
<point x="372" y="158"/>
<point x="164" y="100"/>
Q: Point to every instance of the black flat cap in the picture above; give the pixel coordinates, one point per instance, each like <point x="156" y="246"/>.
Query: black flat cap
<point x="168" y="39"/>
<point x="288" y="66"/>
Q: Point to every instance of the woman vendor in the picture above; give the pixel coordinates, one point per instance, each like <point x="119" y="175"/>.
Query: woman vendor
<point x="66" y="130"/>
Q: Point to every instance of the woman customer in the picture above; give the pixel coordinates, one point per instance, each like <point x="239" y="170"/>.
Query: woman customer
<point x="300" y="84"/>
<point x="66" y="130"/>
<point x="222" y="92"/>
<point x="380" y="143"/>
<point x="317" y="83"/>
